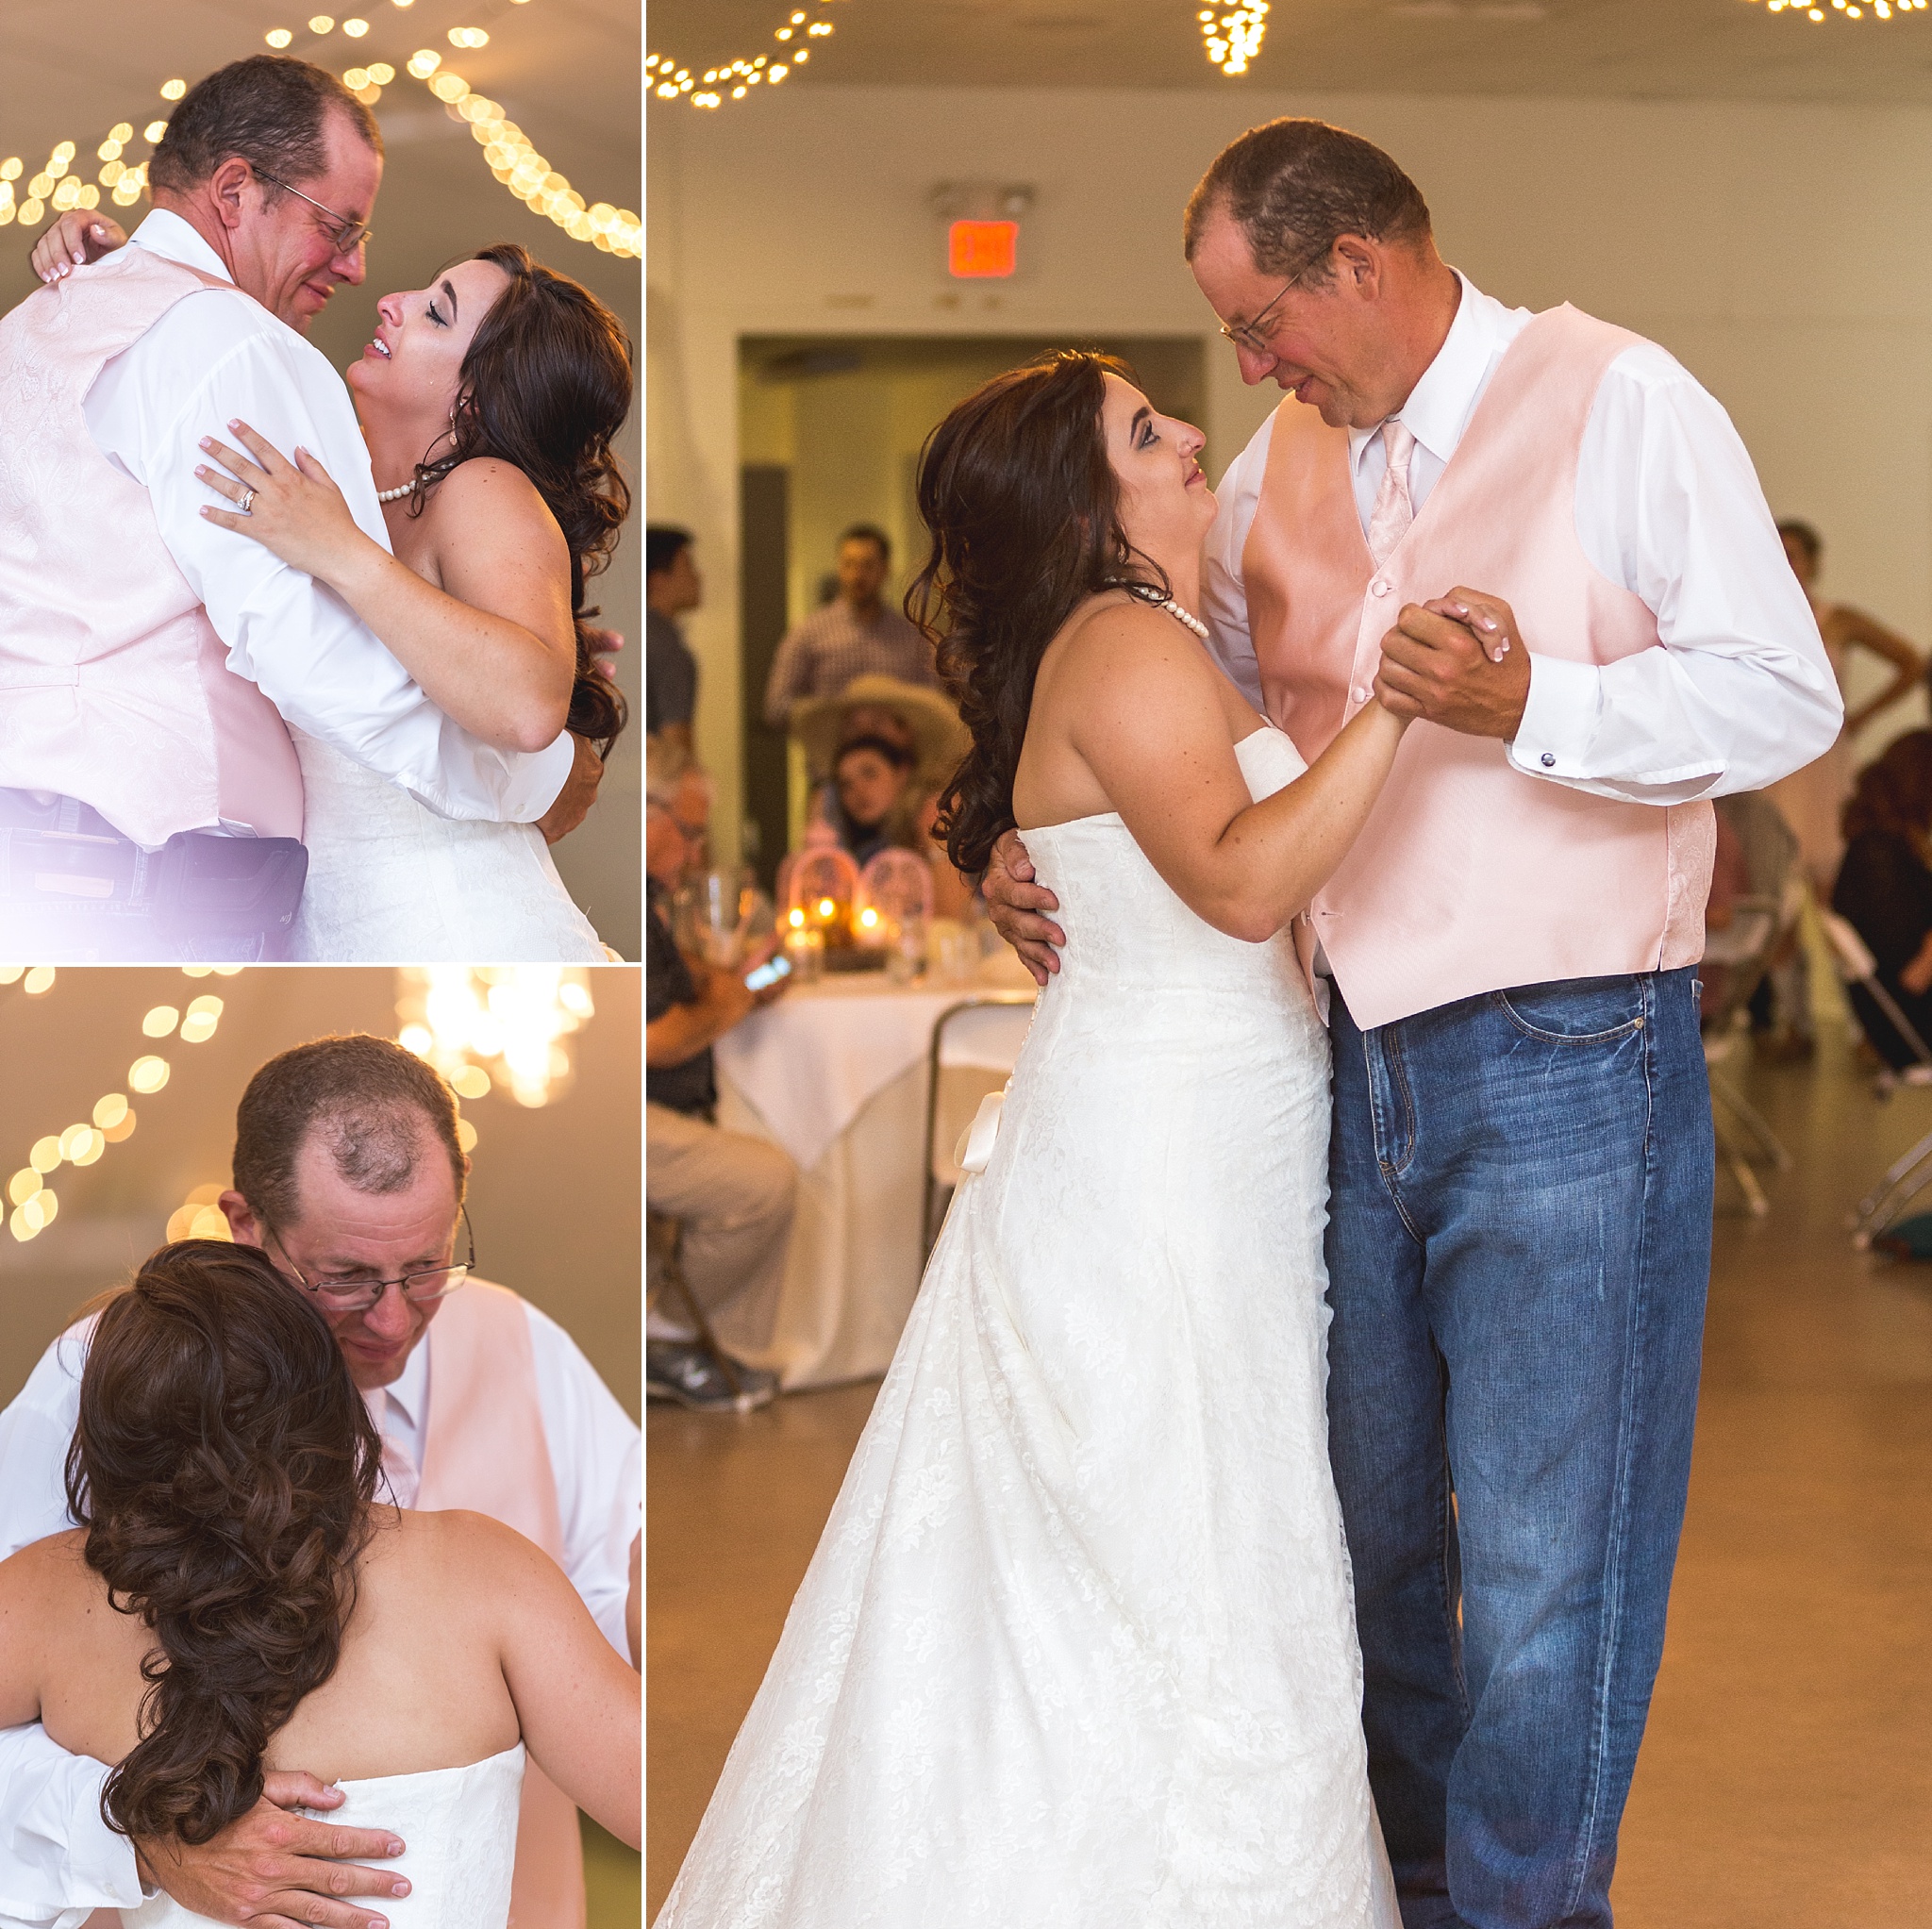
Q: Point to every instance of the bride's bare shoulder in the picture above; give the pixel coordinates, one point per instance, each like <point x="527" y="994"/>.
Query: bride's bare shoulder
<point x="489" y="500"/>
<point x="452" y="1547"/>
<point x="1129" y="649"/>
<point x="48" y="1580"/>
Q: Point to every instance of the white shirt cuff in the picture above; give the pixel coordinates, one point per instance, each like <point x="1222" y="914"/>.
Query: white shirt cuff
<point x="1559" y="719"/>
<point x="70" y="1860"/>
<point x="1561" y="737"/>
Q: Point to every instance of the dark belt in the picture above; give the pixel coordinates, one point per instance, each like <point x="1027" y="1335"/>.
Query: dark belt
<point x="71" y="885"/>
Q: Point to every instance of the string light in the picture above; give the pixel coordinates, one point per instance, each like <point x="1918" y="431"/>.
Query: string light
<point x="495" y="1026"/>
<point x="113" y="1120"/>
<point x="669" y="80"/>
<point x="1234" y="38"/>
<point x="198" y="1216"/>
<point x="514" y="160"/>
<point x="1848" y="9"/>
<point x="512" y="157"/>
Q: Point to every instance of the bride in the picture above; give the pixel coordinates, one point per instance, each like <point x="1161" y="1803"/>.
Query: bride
<point x="490" y="402"/>
<point x="1077" y="1648"/>
<point x="266" y="1612"/>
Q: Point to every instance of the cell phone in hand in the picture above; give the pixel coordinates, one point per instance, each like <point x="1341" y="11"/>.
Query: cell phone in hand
<point x="768" y="973"/>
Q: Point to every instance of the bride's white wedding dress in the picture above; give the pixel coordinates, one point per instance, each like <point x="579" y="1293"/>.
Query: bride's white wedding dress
<point x="389" y="882"/>
<point x="1077" y="1648"/>
<point x="460" y="1825"/>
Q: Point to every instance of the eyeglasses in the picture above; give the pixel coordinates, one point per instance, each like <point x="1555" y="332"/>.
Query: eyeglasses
<point x="1248" y="335"/>
<point x="346" y="237"/>
<point x="359" y="1295"/>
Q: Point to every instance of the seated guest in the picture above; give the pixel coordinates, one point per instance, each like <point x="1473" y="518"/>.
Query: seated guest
<point x="880" y="753"/>
<point x="730" y="1194"/>
<point x="855" y="635"/>
<point x="1884" y="888"/>
<point x="865" y="804"/>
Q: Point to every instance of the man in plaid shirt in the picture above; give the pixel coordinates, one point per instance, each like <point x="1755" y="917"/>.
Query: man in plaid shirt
<point x="855" y="635"/>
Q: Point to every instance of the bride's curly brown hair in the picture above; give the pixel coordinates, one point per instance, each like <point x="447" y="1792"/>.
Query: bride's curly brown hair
<point x="1022" y="506"/>
<point x="547" y="385"/>
<point x="222" y="1467"/>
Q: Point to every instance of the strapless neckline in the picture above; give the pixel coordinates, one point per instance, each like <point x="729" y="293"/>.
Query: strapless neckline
<point x="1267" y="729"/>
<point x="461" y="1824"/>
<point x="357" y="1783"/>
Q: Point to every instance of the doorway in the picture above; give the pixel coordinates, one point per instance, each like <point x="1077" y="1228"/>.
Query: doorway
<point x="829" y="434"/>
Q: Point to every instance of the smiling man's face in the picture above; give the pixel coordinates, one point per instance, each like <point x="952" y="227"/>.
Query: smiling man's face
<point x="1332" y="344"/>
<point x="285" y="254"/>
<point x="342" y="1235"/>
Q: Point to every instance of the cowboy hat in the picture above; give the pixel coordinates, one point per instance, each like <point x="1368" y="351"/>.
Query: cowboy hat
<point x="937" y="738"/>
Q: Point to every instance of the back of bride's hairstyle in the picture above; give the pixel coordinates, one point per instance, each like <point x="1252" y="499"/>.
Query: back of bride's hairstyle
<point x="547" y="385"/>
<point x="1024" y="509"/>
<point x="222" y="1465"/>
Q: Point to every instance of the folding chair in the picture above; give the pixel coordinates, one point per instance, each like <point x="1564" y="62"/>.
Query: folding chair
<point x="1745" y="949"/>
<point x="978" y="1042"/>
<point x="665" y="1281"/>
<point x="1907" y="1177"/>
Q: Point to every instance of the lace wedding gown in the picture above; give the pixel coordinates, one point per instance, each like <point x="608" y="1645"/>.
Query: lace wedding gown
<point x="1077" y="1648"/>
<point x="389" y="882"/>
<point x="460" y="1825"/>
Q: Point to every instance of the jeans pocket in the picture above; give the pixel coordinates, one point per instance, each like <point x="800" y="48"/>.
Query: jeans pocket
<point x="1577" y="1011"/>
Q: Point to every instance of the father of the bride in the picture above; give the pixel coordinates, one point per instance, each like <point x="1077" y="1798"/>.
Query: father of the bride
<point x="150" y="801"/>
<point x="1539" y="531"/>
<point x="348" y="1174"/>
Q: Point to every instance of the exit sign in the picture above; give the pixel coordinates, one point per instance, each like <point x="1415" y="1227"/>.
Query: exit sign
<point x="979" y="249"/>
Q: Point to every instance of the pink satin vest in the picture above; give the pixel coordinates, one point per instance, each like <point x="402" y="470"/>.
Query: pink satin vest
<point x="114" y="688"/>
<point x="1470" y="876"/>
<point x="485" y="1450"/>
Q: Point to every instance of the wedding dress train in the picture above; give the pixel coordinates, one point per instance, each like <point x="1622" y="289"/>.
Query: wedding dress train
<point x="460" y="1825"/>
<point x="389" y="882"/>
<point x="1077" y="1648"/>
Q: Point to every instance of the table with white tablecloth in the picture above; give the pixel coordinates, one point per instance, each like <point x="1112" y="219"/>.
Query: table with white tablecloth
<point x="835" y="1072"/>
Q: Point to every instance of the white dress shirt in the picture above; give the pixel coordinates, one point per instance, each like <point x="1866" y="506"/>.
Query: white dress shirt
<point x="59" y="1860"/>
<point x="216" y="358"/>
<point x="1668" y="504"/>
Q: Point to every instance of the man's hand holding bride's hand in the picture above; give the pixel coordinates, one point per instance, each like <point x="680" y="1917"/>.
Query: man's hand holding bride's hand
<point x="293" y="508"/>
<point x="1457" y="660"/>
<point x="275" y="1870"/>
<point x="1015" y="904"/>
<point x="75" y="237"/>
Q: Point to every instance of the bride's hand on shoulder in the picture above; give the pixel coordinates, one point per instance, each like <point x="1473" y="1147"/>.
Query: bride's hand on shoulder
<point x="76" y="238"/>
<point x="290" y="508"/>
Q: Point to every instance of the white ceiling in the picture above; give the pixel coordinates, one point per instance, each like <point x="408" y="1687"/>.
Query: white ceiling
<point x="1730" y="49"/>
<point x="570" y="72"/>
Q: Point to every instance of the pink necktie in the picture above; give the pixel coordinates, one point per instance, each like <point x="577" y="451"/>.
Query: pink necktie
<point x="1393" y="511"/>
<point x="402" y="1478"/>
<point x="399" y="1473"/>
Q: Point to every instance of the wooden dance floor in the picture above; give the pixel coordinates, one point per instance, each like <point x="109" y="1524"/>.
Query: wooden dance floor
<point x="1787" y="1773"/>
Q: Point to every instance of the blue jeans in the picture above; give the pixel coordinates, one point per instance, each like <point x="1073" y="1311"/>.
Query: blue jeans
<point x="1519" y="1245"/>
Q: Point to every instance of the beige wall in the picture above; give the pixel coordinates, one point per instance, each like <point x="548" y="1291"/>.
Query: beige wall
<point x="1769" y="247"/>
<point x="553" y="1192"/>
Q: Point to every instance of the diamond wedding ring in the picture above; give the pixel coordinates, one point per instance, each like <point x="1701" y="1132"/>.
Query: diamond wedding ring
<point x="246" y="505"/>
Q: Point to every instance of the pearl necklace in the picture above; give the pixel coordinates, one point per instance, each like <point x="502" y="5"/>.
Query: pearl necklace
<point x="1186" y="617"/>
<point x="396" y="496"/>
